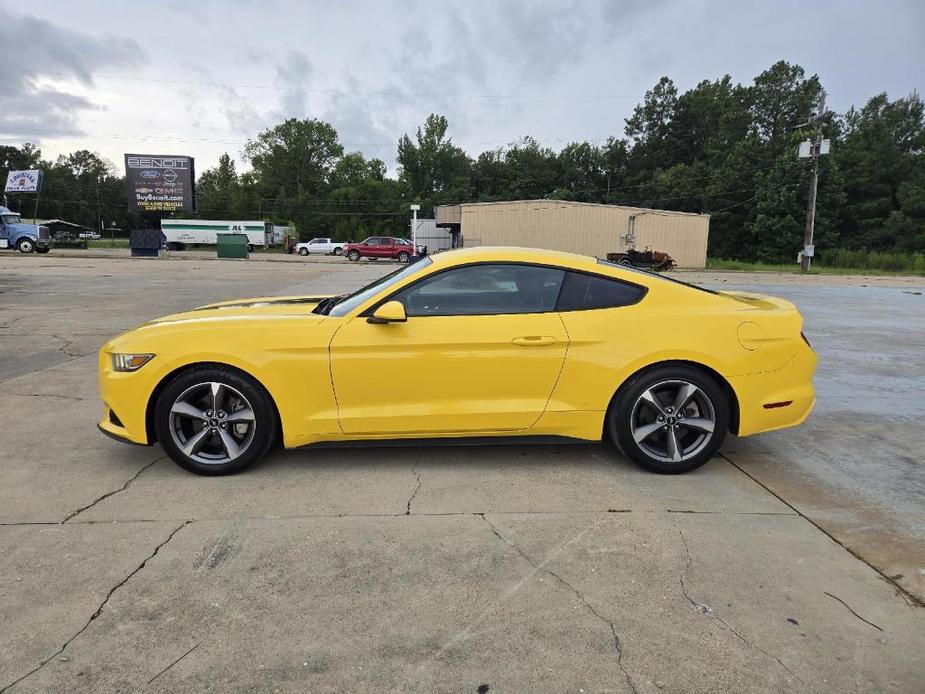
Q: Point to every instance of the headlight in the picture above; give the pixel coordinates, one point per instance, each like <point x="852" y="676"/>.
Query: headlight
<point x="130" y="362"/>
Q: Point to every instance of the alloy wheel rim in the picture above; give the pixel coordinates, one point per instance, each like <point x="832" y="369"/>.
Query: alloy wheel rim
<point x="673" y="421"/>
<point x="212" y="423"/>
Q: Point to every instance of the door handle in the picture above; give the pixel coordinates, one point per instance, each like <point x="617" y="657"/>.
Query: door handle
<point x="534" y="341"/>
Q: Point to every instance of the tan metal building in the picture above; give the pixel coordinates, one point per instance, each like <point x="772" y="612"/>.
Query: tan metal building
<point x="579" y="227"/>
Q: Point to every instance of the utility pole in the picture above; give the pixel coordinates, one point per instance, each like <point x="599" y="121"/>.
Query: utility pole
<point x="815" y="152"/>
<point x="414" y="228"/>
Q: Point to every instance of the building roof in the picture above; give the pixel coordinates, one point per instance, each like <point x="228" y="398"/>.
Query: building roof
<point x="62" y="222"/>
<point x="574" y="203"/>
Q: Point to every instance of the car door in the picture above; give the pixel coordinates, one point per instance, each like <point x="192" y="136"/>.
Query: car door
<point x="480" y="351"/>
<point x="370" y="247"/>
<point x="385" y="248"/>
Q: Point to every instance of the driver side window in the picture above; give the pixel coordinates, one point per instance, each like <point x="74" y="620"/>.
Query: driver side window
<point x="488" y="289"/>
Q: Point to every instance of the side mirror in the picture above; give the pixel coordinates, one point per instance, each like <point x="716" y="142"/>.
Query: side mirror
<point x="389" y="312"/>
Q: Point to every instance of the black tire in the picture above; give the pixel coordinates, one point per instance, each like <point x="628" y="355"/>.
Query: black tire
<point x="303" y="251"/>
<point x="630" y="407"/>
<point x="626" y="262"/>
<point x="40" y="249"/>
<point x="338" y="251"/>
<point x="250" y="248"/>
<point x="25" y="245"/>
<point x="353" y="255"/>
<point x="264" y="420"/>
<point x="403" y="257"/>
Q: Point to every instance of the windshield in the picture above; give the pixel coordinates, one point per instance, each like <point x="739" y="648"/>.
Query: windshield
<point x="346" y="304"/>
<point x="11" y="219"/>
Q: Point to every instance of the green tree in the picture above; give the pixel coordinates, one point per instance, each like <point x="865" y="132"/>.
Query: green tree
<point x="218" y="191"/>
<point x="295" y="157"/>
<point x="881" y="157"/>
<point x="433" y="168"/>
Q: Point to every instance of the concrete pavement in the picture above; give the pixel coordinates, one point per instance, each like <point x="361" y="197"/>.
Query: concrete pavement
<point x="501" y="568"/>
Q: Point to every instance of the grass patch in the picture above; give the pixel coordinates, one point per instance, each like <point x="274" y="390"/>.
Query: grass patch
<point x="913" y="265"/>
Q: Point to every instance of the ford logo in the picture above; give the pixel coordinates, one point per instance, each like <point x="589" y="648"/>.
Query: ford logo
<point x="149" y="174"/>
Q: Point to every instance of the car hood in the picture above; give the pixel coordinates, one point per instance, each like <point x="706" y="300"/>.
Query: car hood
<point x="268" y="306"/>
<point x="22" y="228"/>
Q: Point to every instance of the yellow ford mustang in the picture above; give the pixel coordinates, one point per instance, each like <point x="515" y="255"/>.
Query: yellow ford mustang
<point x="484" y="342"/>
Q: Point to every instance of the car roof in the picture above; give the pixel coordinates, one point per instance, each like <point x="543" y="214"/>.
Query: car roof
<point x="517" y="254"/>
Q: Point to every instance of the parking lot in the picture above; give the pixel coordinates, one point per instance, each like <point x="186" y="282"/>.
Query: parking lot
<point x="793" y="561"/>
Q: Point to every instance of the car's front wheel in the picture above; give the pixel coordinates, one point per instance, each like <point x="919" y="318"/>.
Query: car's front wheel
<point x="353" y="255"/>
<point x="214" y="421"/>
<point x="303" y="251"/>
<point x="670" y="419"/>
<point x="25" y="246"/>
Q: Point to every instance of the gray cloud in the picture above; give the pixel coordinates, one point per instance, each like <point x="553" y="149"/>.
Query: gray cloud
<point x="292" y="74"/>
<point x="375" y="70"/>
<point x="31" y="109"/>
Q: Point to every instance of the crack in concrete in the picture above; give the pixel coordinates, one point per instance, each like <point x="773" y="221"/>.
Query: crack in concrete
<point x="911" y="599"/>
<point x="706" y="609"/>
<point x="173" y="663"/>
<point x="414" y="470"/>
<point x="66" y="345"/>
<point x="99" y="609"/>
<point x="44" y="395"/>
<point x="618" y="645"/>
<point x="425" y="514"/>
<point x="851" y="610"/>
<point x="111" y="493"/>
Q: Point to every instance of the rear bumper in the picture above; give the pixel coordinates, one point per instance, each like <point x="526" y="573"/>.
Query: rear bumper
<point x="777" y="399"/>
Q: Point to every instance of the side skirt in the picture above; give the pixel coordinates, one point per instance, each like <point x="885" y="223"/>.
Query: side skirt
<point x="457" y="441"/>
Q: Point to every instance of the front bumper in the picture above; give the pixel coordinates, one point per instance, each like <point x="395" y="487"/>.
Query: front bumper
<point x="125" y="400"/>
<point x="777" y="399"/>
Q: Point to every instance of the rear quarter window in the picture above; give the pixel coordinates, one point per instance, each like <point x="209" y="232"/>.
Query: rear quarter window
<point x="582" y="292"/>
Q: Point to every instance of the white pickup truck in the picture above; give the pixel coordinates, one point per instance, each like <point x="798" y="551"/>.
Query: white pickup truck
<point x="320" y="247"/>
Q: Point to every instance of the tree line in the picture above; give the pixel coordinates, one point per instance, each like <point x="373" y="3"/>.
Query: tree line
<point x="721" y="148"/>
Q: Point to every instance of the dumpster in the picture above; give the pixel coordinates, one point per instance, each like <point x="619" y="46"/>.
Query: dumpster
<point x="232" y="246"/>
<point x="146" y="242"/>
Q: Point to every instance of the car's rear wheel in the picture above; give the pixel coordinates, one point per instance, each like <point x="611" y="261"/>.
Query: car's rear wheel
<point x="338" y="251"/>
<point x="25" y="246"/>
<point x="403" y="257"/>
<point x="303" y="251"/>
<point x="669" y="419"/>
<point x="626" y="262"/>
<point x="353" y="255"/>
<point x="214" y="421"/>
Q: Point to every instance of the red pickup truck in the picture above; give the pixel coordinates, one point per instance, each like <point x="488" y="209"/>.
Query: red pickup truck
<point x="380" y="247"/>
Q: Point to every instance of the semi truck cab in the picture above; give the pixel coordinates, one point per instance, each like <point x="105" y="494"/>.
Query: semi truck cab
<point x="25" y="238"/>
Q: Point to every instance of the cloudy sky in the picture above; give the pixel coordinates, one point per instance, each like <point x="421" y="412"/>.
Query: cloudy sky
<point x="201" y="76"/>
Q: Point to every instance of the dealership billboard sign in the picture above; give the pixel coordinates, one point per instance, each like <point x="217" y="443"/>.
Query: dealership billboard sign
<point x="29" y="181"/>
<point x="160" y="183"/>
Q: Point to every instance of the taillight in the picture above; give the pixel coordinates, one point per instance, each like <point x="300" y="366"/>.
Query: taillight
<point x="803" y="335"/>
